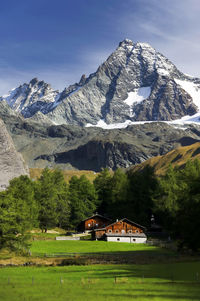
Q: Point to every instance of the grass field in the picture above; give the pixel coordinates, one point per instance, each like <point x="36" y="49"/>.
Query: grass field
<point x="101" y="252"/>
<point x="86" y="247"/>
<point x="161" y="282"/>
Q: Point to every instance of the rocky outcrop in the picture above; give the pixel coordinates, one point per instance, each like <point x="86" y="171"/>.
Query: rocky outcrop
<point x="11" y="162"/>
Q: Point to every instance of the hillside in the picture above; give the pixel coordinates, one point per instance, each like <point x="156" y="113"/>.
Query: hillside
<point x="177" y="157"/>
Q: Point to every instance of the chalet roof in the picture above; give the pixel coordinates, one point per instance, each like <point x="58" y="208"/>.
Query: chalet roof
<point x="95" y="215"/>
<point x="122" y="220"/>
<point x="125" y="235"/>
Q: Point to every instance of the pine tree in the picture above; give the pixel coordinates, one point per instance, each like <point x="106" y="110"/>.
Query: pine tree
<point x="18" y="213"/>
<point x="52" y="196"/>
<point x="83" y="199"/>
<point x="142" y="187"/>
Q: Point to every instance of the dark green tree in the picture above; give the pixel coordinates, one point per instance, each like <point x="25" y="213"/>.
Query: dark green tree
<point x="52" y="196"/>
<point x="178" y="203"/>
<point x="22" y="188"/>
<point x="187" y="222"/>
<point x="166" y="202"/>
<point x="116" y="205"/>
<point x="63" y="208"/>
<point x="141" y="191"/>
<point x="18" y="213"/>
<point x="83" y="199"/>
<point x="102" y="184"/>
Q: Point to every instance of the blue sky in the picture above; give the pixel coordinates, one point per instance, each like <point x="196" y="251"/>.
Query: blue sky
<point x="59" y="40"/>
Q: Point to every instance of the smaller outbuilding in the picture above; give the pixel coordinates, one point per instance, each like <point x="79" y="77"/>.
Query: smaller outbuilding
<point x="93" y="222"/>
<point x="122" y="230"/>
<point x="131" y="238"/>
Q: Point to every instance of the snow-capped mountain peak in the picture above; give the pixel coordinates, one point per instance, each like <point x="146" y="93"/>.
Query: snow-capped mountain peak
<point x="31" y="98"/>
<point x="126" y="42"/>
<point x="135" y="83"/>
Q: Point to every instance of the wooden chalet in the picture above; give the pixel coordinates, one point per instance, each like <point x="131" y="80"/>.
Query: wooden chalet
<point x="123" y="230"/>
<point x="93" y="222"/>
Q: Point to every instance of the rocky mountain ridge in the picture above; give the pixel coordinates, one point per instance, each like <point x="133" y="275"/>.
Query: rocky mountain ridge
<point x="75" y="147"/>
<point x="135" y="83"/>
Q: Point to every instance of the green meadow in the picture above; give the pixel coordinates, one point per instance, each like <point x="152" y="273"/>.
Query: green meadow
<point x="56" y="246"/>
<point x="155" y="274"/>
<point x="176" y="281"/>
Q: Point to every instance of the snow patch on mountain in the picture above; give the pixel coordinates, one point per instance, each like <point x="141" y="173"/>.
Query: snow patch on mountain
<point x="186" y="120"/>
<point x="162" y="71"/>
<point x="138" y="95"/>
<point x="179" y="123"/>
<point x="102" y="124"/>
<point x="120" y="125"/>
<point x="192" y="89"/>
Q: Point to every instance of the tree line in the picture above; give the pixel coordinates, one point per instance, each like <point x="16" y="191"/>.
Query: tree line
<point x="174" y="199"/>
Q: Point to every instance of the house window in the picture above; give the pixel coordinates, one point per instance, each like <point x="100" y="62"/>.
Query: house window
<point x="88" y="225"/>
<point x="129" y="231"/>
<point x="118" y="239"/>
<point x="97" y="225"/>
<point x="116" y="231"/>
<point x="136" y="231"/>
<point x="109" y="231"/>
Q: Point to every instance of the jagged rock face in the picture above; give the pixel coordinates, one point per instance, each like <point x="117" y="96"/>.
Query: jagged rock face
<point x="120" y="148"/>
<point x="168" y="101"/>
<point x="30" y="98"/>
<point x="98" y="154"/>
<point x="11" y="162"/>
<point x="134" y="83"/>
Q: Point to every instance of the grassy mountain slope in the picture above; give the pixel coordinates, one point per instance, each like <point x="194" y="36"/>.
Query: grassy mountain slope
<point x="35" y="173"/>
<point x="176" y="157"/>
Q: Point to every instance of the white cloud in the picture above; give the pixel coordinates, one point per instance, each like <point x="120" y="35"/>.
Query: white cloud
<point x="170" y="26"/>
